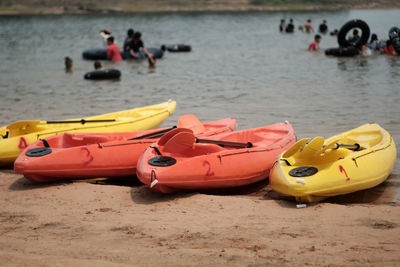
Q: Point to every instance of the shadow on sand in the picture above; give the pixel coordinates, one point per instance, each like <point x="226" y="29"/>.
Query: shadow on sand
<point x="386" y="193"/>
<point x="143" y="195"/>
<point x="25" y="184"/>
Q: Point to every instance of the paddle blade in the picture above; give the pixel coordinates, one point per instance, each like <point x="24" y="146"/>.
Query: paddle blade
<point x="168" y="135"/>
<point x="296" y="147"/>
<point x="313" y="147"/>
<point x="179" y="142"/>
<point x="190" y="121"/>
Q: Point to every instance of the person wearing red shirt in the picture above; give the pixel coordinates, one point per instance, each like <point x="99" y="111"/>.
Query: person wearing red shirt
<point x="315" y="44"/>
<point x="113" y="53"/>
<point x="389" y="48"/>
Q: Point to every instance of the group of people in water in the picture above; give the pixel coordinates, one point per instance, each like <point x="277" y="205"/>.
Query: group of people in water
<point x="133" y="44"/>
<point x="307" y="27"/>
<point x="374" y="45"/>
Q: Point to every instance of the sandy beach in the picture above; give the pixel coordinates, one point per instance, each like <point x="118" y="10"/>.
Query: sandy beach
<point x="81" y="224"/>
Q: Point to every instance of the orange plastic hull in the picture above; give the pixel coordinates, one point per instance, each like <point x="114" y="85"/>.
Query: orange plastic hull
<point x="83" y="156"/>
<point x="209" y="166"/>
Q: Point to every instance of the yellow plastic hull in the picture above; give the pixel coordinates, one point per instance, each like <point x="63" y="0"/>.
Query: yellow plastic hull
<point x="21" y="134"/>
<point x="339" y="170"/>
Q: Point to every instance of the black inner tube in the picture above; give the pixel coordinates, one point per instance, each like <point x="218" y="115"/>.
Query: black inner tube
<point x="342" y="51"/>
<point x="103" y="74"/>
<point x="356" y="23"/>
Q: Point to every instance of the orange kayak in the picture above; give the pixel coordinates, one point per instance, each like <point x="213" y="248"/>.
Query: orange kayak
<point x="92" y="155"/>
<point x="180" y="161"/>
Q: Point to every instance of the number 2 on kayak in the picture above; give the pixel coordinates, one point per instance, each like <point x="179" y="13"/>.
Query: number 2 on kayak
<point x="209" y="172"/>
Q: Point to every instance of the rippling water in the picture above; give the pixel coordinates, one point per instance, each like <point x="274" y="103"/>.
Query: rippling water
<point x="241" y="67"/>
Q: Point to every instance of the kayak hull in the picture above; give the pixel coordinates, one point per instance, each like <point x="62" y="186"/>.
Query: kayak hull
<point x="207" y="166"/>
<point x="338" y="170"/>
<point x="17" y="136"/>
<point x="93" y="155"/>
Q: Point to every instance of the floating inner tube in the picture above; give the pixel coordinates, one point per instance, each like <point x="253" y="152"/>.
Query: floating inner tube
<point x="103" y="74"/>
<point x="394" y="36"/>
<point x="356" y="23"/>
<point x="38" y="152"/>
<point x="101" y="54"/>
<point x="342" y="51"/>
<point x="177" y="48"/>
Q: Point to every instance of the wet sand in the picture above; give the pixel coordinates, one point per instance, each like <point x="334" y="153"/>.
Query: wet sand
<point x="80" y="224"/>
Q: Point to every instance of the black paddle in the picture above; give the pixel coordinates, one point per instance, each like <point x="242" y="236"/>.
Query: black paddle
<point x="352" y="147"/>
<point x="83" y="121"/>
<point x="154" y="134"/>
<point x="225" y="143"/>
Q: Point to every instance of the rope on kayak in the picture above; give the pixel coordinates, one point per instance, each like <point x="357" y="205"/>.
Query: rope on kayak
<point x="153" y="175"/>
<point x="373" y="151"/>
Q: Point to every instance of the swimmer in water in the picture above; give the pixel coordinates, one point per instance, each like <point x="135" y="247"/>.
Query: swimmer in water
<point x="314" y="46"/>
<point x="68" y="64"/>
<point x="97" y="65"/>
<point x="308" y="28"/>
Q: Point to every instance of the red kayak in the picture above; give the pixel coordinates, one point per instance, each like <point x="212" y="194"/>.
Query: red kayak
<point x="180" y="161"/>
<point x="84" y="156"/>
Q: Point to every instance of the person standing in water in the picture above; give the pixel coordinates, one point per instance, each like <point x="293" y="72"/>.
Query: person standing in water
<point x="308" y="28"/>
<point x="68" y="64"/>
<point x="137" y="45"/>
<point x="282" y="26"/>
<point x="323" y="28"/>
<point x="290" y="27"/>
<point x="314" y="46"/>
<point x="113" y="53"/>
<point x="128" y="40"/>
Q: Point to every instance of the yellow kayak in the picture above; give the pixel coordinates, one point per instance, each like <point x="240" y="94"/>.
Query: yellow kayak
<point x="312" y="170"/>
<point x="14" y="138"/>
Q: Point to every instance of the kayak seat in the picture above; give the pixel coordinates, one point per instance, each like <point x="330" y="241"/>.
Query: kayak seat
<point x="200" y="149"/>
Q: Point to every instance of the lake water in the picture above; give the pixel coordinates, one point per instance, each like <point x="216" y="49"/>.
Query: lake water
<point x="240" y="67"/>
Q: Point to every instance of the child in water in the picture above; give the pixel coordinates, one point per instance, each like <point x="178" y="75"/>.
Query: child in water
<point x="314" y="46"/>
<point x="97" y="65"/>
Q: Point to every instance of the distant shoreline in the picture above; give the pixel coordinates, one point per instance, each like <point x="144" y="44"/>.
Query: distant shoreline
<point x="122" y="8"/>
